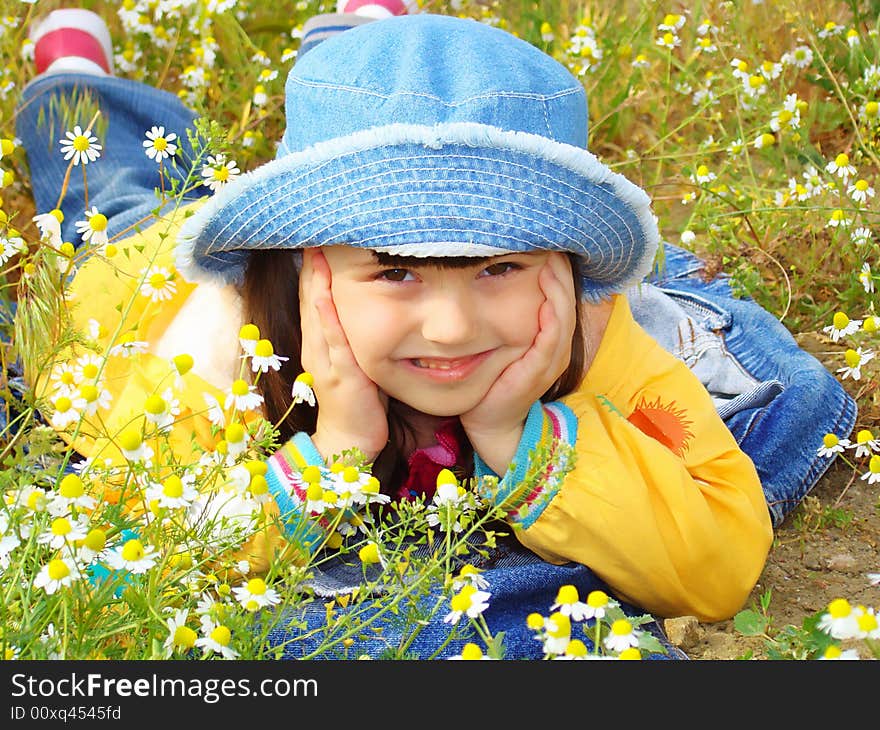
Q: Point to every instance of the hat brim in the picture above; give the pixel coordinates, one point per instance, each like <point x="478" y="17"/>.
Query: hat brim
<point x="458" y="189"/>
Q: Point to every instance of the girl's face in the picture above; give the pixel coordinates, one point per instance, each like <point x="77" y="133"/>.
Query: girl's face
<point x="437" y="338"/>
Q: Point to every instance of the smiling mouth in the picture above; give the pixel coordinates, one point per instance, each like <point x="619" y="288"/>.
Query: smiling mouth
<point x="441" y="364"/>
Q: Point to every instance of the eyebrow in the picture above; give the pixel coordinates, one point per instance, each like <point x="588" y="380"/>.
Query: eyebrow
<point x="383" y="258"/>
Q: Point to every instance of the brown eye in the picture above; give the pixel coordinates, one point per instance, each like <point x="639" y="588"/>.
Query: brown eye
<point x="502" y="267"/>
<point x="394" y="274"/>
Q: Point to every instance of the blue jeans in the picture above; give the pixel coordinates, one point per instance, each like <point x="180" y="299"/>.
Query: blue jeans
<point x="777" y="399"/>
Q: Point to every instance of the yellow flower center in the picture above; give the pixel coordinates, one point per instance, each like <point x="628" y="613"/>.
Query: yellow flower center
<point x="63" y="404"/>
<point x="867" y="622"/>
<point x="535" y="621"/>
<point x="249" y="332"/>
<point x="621" y="627"/>
<point x="90" y="371"/>
<point x="630" y="652"/>
<point x="132" y="551"/>
<point x="222" y="635"/>
<point x="702" y="171"/>
<point x="264" y="348"/>
<point x="71" y="487"/>
<point x="67" y="377"/>
<point x="58" y="569"/>
<point x="372" y="486"/>
<point x="183" y="363"/>
<point x="155" y="405"/>
<point x="562" y="623"/>
<point x="840" y="320"/>
<point x="742" y="66"/>
<point x="785" y="116"/>
<point x="567" y="595"/>
<point x="95" y="540"/>
<point x="852" y="358"/>
<point x="839" y="607"/>
<point x="756" y="82"/>
<point x="157" y="280"/>
<point x="767" y="139"/>
<point x="874" y="464"/>
<point x="89" y="393"/>
<point x="833" y="652"/>
<point x="315" y="492"/>
<point x="864" y="436"/>
<point x="576" y="647"/>
<point x="311" y="474"/>
<point x="471" y="651"/>
<point x="259" y="486"/>
<point x="160" y="143"/>
<point x="61" y="526"/>
<point x="81" y="143"/>
<point x="256" y="586"/>
<point x="872" y="109"/>
<point x="668" y="39"/>
<point x="842" y="160"/>
<point x="305" y="379"/>
<point x="130" y="439"/>
<point x="185" y="637"/>
<point x="255" y="467"/>
<point x="350" y="474"/>
<point x="369" y="553"/>
<point x="234" y="433"/>
<point x="240" y="387"/>
<point x="221" y="174"/>
<point x="597" y="599"/>
<point x="7" y="146"/>
<point x="861" y="185"/>
<point x="98" y="222"/>
<point x="829" y="439"/>
<point x="172" y="487"/>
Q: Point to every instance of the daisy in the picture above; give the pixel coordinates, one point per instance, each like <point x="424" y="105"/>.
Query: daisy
<point x="568" y="602"/>
<point x="217" y="172"/>
<point x="243" y="397"/>
<point x="49" y="225"/>
<point x="64" y="531"/>
<point x="871" y="476"/>
<point x="622" y="636"/>
<point x="264" y="357"/>
<point x="469" y="575"/>
<point x="471" y="651"/>
<point x="158" y="283"/>
<point x="854" y="361"/>
<point x="58" y="573"/>
<point x="64" y="379"/>
<point x="831" y="445"/>
<point x="865" y="443"/>
<point x="302" y="389"/>
<point x="88" y="368"/>
<point x="132" y="556"/>
<point x="173" y="492"/>
<point x="63" y="414"/>
<point x="216" y="640"/>
<point x="215" y="411"/>
<point x="81" y="146"/>
<point x="840" y="166"/>
<point x="556" y="633"/>
<point x="255" y="594"/>
<point x="841" y="326"/>
<point x="839" y="621"/>
<point x="159" y="146"/>
<point x="180" y="636"/>
<point x="833" y="652"/>
<point x="94" y="228"/>
<point x="468" y="601"/>
<point x="860" y="191"/>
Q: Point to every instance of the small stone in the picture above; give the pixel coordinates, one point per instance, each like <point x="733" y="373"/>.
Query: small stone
<point x="683" y="631"/>
<point x="841" y="561"/>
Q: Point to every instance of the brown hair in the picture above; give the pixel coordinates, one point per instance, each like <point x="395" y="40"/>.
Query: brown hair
<point x="270" y="295"/>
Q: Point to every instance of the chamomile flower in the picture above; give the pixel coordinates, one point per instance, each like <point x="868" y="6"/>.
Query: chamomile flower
<point x="832" y="444"/>
<point x="63" y="412"/>
<point x="89" y="398"/>
<point x="58" y="573"/>
<point x="161" y="409"/>
<point x="865" y="443"/>
<point x="243" y="396"/>
<point x="854" y="361"/>
<point x="471" y="651"/>
<point x="302" y="389"/>
<point x="839" y="621"/>
<point x="668" y="40"/>
<point x="64" y="379"/>
<point x="860" y="236"/>
<point x="49" y="225"/>
<point x="671" y="22"/>
<point x="860" y="191"/>
<point x="556" y="633"/>
<point x="621" y="636"/>
<point x="264" y="357"/>
<point x="841" y="167"/>
<point x="128" y="346"/>
<point x="64" y="531"/>
<point x="703" y="175"/>
<point x="91" y="545"/>
<point x="469" y="575"/>
<point x="94" y="228"/>
<point x="248" y="336"/>
<point x="834" y="652"/>
<point x="468" y="602"/>
<point x="215" y="411"/>
<point x="598" y="602"/>
<point x="159" y="146"/>
<point x="260" y="97"/>
<point x="216" y="639"/>
<point x="740" y="69"/>
<point x="173" y="492"/>
<point x="218" y="171"/>
<point x="868" y="627"/>
<point x="132" y="446"/>
<point x="236" y="438"/>
<point x="641" y="61"/>
<point x="764" y="140"/>
<point x="841" y="326"/>
<point x="770" y="70"/>
<point x="254" y="594"/>
<point x="71" y="494"/>
<point x="705" y="45"/>
<point x="180" y="636"/>
<point x="81" y="146"/>
<point x="873" y="474"/>
<point x="132" y="556"/>
<point x="568" y="602"/>
<point x="158" y="283"/>
<point x="830" y="29"/>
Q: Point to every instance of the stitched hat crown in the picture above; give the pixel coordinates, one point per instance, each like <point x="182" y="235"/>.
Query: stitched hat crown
<point x="338" y="88"/>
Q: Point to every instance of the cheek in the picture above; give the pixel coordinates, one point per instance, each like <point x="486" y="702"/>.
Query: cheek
<point x="363" y="318"/>
<point x="517" y="316"/>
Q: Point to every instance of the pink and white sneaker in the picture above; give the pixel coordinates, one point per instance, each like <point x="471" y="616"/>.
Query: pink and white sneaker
<point x="377" y="8"/>
<point x="72" y="40"/>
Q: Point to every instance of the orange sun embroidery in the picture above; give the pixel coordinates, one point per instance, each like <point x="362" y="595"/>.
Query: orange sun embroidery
<point x="663" y="422"/>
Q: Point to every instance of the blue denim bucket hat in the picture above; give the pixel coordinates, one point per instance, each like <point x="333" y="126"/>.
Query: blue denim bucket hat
<point x="429" y="135"/>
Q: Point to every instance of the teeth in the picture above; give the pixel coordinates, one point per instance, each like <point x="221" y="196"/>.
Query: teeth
<point x="436" y="365"/>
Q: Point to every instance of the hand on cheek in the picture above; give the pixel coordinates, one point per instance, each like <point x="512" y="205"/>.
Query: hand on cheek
<point x="494" y="426"/>
<point x="351" y="409"/>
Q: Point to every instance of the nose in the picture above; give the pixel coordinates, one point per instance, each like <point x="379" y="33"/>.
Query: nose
<point x="449" y="317"/>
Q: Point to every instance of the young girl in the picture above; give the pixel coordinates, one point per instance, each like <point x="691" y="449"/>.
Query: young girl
<point x="435" y="245"/>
